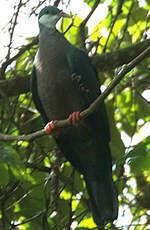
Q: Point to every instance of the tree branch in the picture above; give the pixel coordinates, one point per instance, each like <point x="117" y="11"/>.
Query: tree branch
<point x="15" y="86"/>
<point x="97" y="2"/>
<point x="90" y="110"/>
<point x="109" y="61"/>
<point x="38" y="167"/>
<point x="119" y="11"/>
<point x="29" y="137"/>
<point x="82" y="25"/>
<point x="104" y="62"/>
<point x="13" y="24"/>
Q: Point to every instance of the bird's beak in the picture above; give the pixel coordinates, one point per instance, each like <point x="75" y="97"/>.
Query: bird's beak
<point x="63" y="14"/>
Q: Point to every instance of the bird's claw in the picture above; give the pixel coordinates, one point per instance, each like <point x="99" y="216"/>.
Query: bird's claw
<point x="74" y="118"/>
<point x="48" y="127"/>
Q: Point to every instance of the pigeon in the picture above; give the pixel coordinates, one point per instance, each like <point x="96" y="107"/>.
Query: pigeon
<point x="64" y="83"/>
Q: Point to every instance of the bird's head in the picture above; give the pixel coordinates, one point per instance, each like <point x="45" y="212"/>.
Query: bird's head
<point x="50" y="15"/>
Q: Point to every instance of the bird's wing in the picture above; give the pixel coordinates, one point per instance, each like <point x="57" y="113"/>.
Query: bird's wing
<point x="90" y="154"/>
<point x="35" y="96"/>
<point x="89" y="84"/>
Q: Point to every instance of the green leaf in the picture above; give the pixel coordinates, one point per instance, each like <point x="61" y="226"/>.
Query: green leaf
<point x="74" y="34"/>
<point x="4" y="174"/>
<point x="92" y="2"/>
<point x="139" y="158"/>
<point x="6" y="154"/>
<point x="116" y="144"/>
<point x="88" y="222"/>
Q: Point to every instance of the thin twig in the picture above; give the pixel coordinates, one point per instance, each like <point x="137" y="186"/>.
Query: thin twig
<point x="29" y="137"/>
<point x="126" y="26"/>
<point x="82" y="25"/>
<point x="12" y="26"/>
<point x="119" y="10"/>
<point x="97" y="2"/>
<point x="20" y="52"/>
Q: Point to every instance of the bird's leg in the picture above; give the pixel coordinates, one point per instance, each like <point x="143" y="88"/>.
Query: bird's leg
<point x="74" y="118"/>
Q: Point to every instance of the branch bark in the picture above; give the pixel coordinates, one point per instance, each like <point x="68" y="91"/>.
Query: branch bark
<point x="109" y="61"/>
<point x="15" y="86"/>
<point x="90" y="110"/>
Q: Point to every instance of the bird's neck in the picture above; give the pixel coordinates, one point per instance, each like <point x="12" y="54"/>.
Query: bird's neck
<point x="46" y="32"/>
<point x="44" y="28"/>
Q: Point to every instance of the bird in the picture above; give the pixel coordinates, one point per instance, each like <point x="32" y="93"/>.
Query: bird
<point x="64" y="83"/>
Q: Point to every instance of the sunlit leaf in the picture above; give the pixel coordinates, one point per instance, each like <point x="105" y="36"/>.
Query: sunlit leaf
<point x="140" y="157"/>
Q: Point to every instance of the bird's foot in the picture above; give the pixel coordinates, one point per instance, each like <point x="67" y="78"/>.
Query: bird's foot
<point x="74" y="118"/>
<point x="48" y="127"/>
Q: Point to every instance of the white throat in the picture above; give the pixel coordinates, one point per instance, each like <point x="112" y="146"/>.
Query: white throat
<point x="49" y="21"/>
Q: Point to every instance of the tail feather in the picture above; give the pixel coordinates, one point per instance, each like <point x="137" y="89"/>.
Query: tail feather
<point x="103" y="199"/>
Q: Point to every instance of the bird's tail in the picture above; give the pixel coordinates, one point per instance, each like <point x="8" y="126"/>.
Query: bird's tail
<point x="104" y="201"/>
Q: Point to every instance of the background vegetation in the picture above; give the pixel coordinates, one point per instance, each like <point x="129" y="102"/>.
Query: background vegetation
<point x="38" y="188"/>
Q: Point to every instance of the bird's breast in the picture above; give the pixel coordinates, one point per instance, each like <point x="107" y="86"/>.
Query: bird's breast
<point x="55" y="89"/>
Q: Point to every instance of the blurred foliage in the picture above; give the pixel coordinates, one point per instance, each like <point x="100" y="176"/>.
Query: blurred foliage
<point x="38" y="188"/>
